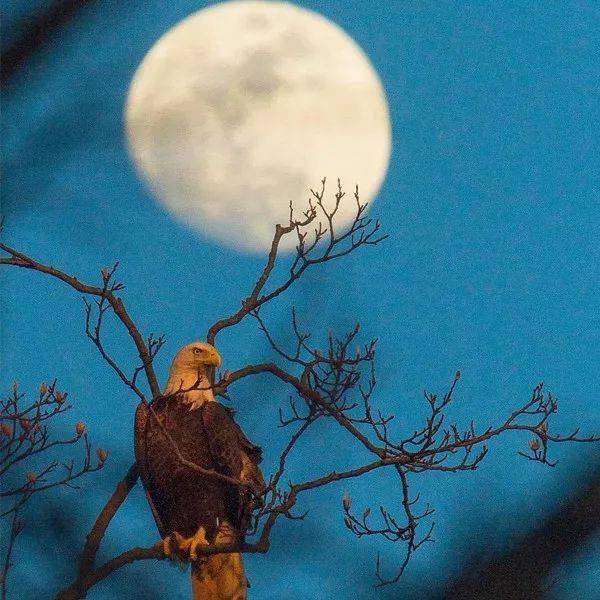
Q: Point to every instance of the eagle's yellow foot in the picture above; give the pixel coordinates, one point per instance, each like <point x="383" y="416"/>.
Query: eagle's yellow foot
<point x="199" y="539"/>
<point x="166" y="543"/>
<point x="176" y="547"/>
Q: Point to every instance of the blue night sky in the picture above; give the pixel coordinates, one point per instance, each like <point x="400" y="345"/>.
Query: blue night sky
<point x="491" y="202"/>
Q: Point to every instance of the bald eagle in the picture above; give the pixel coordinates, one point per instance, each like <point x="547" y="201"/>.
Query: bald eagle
<point x="192" y="509"/>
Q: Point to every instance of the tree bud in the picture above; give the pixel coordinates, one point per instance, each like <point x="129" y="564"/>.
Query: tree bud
<point x="102" y="454"/>
<point x="534" y="444"/>
<point x="32" y="477"/>
<point x="346" y="502"/>
<point x="80" y="428"/>
<point x="43" y="389"/>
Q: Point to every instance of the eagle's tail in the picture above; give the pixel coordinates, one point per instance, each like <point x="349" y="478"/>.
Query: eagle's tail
<point x="219" y="577"/>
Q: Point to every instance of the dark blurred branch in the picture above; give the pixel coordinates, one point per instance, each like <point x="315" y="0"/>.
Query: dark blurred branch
<point x="523" y="570"/>
<point x="16" y="527"/>
<point x="34" y="35"/>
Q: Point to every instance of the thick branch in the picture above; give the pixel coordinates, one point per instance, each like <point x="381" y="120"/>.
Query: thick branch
<point x="94" y="537"/>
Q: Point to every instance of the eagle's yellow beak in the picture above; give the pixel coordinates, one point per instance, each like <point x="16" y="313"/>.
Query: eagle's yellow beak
<point x="213" y="359"/>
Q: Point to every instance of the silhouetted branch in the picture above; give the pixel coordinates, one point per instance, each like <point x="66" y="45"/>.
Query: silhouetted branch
<point x="25" y="436"/>
<point x="97" y="532"/>
<point x="79" y="588"/>
<point x="320" y="246"/>
<point x="105" y="292"/>
<point x="327" y="377"/>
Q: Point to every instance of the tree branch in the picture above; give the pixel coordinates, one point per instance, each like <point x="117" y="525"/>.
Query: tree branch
<point x="361" y="232"/>
<point x="94" y="537"/>
<point x="18" y="259"/>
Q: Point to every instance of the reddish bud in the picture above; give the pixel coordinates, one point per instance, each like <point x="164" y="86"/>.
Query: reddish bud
<point x="43" y="389"/>
<point x="346" y="501"/>
<point x="80" y="428"/>
<point x="59" y="397"/>
<point x="25" y="424"/>
<point x="457" y="375"/>
<point x="32" y="477"/>
<point x="534" y="444"/>
<point x="6" y="429"/>
<point x="102" y="454"/>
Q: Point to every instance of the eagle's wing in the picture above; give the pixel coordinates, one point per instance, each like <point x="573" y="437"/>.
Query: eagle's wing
<point x="234" y="454"/>
<point x="142" y="414"/>
<point x="252" y="450"/>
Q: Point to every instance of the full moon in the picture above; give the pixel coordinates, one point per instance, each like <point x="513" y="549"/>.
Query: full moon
<point x="244" y="106"/>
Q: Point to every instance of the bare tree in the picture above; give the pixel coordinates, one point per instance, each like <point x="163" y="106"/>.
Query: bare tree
<point x="335" y="381"/>
<point x="27" y="441"/>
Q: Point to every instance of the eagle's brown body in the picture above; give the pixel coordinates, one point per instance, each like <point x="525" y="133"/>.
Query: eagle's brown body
<point x="183" y="498"/>
<point x="193" y="507"/>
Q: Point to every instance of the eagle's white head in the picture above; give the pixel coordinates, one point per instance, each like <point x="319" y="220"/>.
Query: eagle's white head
<point x="194" y="366"/>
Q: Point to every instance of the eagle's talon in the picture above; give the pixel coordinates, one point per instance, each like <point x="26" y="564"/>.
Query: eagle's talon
<point x="170" y="547"/>
<point x="166" y="544"/>
<point x="176" y="547"/>
<point x="199" y="539"/>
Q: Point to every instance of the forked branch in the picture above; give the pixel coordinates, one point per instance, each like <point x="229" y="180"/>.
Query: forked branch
<point x="317" y="241"/>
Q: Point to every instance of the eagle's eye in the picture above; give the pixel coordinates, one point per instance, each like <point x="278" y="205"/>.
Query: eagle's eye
<point x="197" y="351"/>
